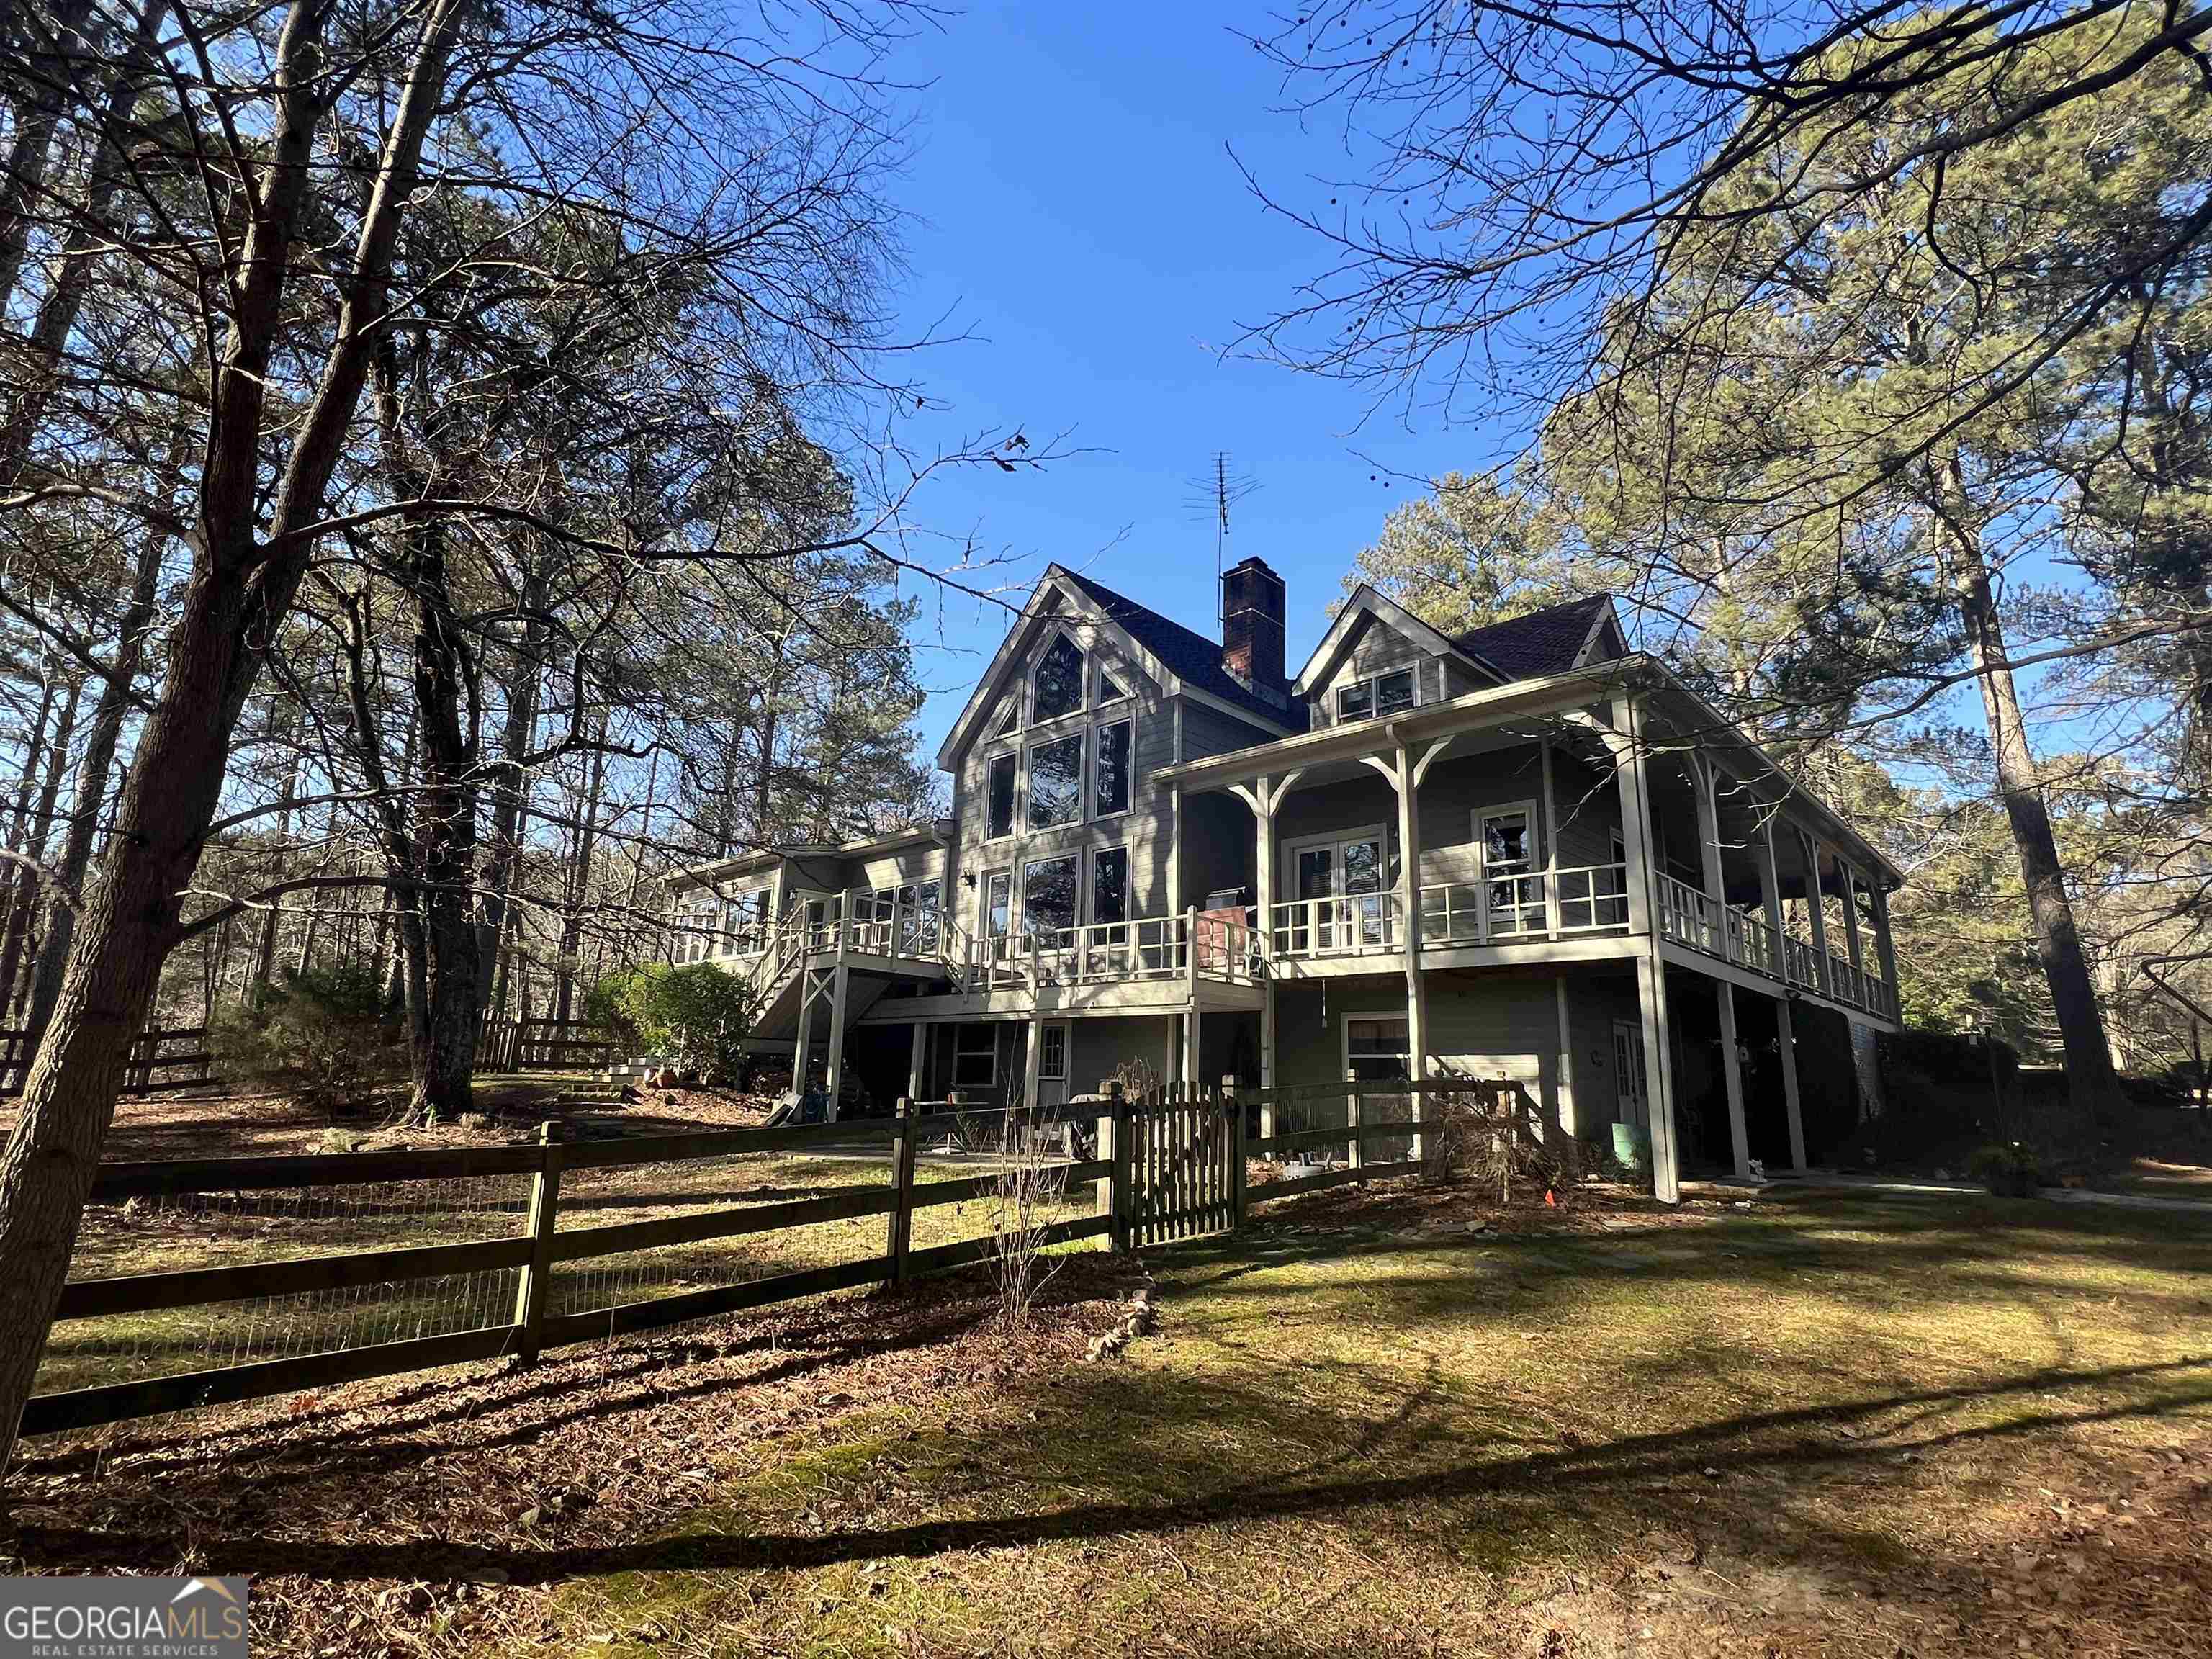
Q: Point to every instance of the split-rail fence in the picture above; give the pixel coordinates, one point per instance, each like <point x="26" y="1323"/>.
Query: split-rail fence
<point x="1170" y="1166"/>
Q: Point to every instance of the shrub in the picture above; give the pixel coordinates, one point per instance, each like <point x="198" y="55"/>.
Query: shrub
<point x="698" y="1015"/>
<point x="323" y="1036"/>
<point x="2009" y="1168"/>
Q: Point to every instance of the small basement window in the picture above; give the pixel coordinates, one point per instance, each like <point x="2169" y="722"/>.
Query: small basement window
<point x="975" y="1056"/>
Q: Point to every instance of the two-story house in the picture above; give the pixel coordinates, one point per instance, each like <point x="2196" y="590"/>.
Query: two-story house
<point x="1525" y="852"/>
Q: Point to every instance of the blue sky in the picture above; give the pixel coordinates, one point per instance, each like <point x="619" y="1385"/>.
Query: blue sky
<point x="1077" y="212"/>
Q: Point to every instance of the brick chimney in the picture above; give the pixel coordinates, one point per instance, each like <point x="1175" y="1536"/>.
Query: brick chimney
<point x="1252" y="608"/>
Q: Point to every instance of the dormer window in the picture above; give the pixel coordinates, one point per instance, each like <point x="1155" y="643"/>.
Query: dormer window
<point x="1058" y="688"/>
<point x="1391" y="692"/>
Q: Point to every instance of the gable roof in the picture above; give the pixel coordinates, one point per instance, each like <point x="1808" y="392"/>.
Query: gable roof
<point x="1548" y="641"/>
<point x="1366" y="604"/>
<point x="1187" y="654"/>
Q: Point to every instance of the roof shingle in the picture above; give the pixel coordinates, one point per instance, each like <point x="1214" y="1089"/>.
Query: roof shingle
<point x="1187" y="654"/>
<point x="1540" y="643"/>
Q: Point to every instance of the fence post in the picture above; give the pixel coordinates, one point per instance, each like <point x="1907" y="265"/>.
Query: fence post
<point x="902" y="1239"/>
<point x="1352" y="1104"/>
<point x="545" y="1204"/>
<point x="1235" y="1099"/>
<point x="1117" y="1130"/>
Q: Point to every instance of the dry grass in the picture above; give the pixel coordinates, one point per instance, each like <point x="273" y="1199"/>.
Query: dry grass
<point x="1826" y="1424"/>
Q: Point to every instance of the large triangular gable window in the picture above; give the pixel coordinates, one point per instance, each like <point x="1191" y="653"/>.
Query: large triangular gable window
<point x="1059" y="681"/>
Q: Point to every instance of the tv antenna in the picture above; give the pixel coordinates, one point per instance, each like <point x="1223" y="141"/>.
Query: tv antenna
<point x="1212" y="494"/>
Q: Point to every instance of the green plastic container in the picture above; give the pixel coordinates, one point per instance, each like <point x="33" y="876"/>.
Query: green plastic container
<point x="1631" y="1146"/>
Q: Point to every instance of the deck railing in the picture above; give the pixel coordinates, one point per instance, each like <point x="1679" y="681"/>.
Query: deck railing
<point x="1508" y="910"/>
<point x="1705" y="923"/>
<point x="1344" y="924"/>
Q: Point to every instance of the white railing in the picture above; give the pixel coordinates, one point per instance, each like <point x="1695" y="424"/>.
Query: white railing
<point x="1704" y="923"/>
<point x="1593" y="898"/>
<point x="1206" y="945"/>
<point x="1505" y="909"/>
<point x="1346" y="925"/>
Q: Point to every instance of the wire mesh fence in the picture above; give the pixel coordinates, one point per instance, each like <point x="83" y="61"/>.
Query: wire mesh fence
<point x="199" y="1283"/>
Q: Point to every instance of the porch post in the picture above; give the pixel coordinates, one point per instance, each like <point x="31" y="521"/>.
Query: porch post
<point x="1709" y="850"/>
<point x="1551" y="848"/>
<point x="1851" y="940"/>
<point x="1032" y="1060"/>
<point x="1786" y="1041"/>
<point x="1629" y="774"/>
<point x="1659" y="1076"/>
<point x="1816" y="913"/>
<point x="839" y="980"/>
<point x="917" y="1071"/>
<point x="1885" y="945"/>
<point x="1191" y="1024"/>
<point x="1770" y="893"/>
<point x="1409" y="915"/>
<point x="1732" y="1073"/>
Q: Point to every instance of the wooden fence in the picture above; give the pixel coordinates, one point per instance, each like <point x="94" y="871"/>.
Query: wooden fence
<point x="544" y="1045"/>
<point x="1170" y="1166"/>
<point x="173" y="1058"/>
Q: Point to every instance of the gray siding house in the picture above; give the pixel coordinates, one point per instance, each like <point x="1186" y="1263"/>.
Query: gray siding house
<point x="1522" y="852"/>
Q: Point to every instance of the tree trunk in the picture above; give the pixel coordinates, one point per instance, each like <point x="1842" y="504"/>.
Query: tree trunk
<point x="241" y="587"/>
<point x="33" y="886"/>
<point x="53" y="71"/>
<point x="572" y="919"/>
<point x="2090" y="1085"/>
<point x="508" y="783"/>
<point x="57" y="312"/>
<point x="107" y="717"/>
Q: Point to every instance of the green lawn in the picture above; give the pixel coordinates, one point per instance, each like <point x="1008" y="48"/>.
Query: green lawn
<point x="1826" y="1423"/>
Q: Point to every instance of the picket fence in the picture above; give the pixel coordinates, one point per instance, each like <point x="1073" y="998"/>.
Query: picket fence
<point x="1167" y="1167"/>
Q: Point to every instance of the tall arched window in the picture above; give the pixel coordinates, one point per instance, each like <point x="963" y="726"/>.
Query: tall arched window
<point x="1059" y="680"/>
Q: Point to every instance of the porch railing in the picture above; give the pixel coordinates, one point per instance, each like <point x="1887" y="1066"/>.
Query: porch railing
<point x="1204" y="944"/>
<point x="1705" y="924"/>
<point x="1541" y="904"/>
<point x="1346" y="925"/>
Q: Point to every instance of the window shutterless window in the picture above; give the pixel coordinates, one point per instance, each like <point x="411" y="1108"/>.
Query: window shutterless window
<point x="1391" y="692"/>
<point x="1048" y="897"/>
<point x="999" y="798"/>
<point x="1110" y="884"/>
<point x="1110" y="791"/>
<point x="1058" y="686"/>
<point x="1056" y="782"/>
<point x="975" y="1056"/>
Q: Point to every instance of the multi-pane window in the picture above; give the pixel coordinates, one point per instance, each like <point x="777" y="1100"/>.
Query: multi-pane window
<point x="975" y="1056"/>
<point x="999" y="904"/>
<point x="744" y="922"/>
<point x="1056" y="782"/>
<point x="1048" y="897"/>
<point x="1391" y="692"/>
<point x="998" y="810"/>
<point x="1059" y="687"/>
<point x="1110" y="688"/>
<point x="1112" y="789"/>
<point x="1378" y="1050"/>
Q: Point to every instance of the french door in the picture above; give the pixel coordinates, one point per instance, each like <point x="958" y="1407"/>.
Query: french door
<point x="1340" y="884"/>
